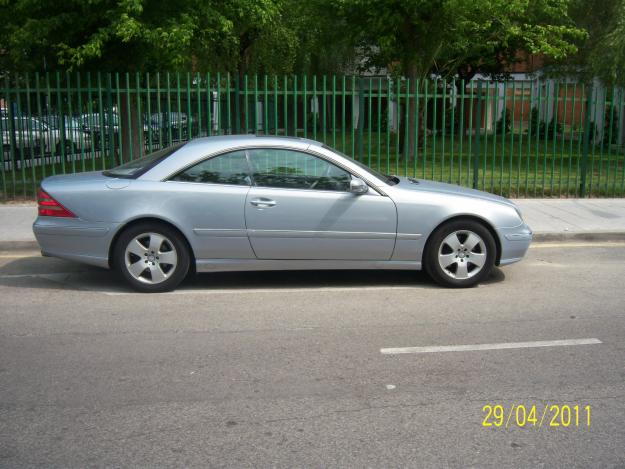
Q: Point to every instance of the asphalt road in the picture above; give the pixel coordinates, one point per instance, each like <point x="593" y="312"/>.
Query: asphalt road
<point x="286" y="369"/>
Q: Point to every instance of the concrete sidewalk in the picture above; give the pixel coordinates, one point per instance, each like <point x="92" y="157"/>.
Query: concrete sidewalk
<point x="16" y="231"/>
<point x="551" y="220"/>
<point x="585" y="219"/>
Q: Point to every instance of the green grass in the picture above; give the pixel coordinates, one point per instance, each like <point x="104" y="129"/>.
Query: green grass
<point x="512" y="166"/>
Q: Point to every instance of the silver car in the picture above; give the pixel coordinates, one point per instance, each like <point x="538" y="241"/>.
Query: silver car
<point x="234" y="203"/>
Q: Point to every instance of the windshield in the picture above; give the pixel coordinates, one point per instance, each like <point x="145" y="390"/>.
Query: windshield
<point x="135" y="168"/>
<point x="391" y="180"/>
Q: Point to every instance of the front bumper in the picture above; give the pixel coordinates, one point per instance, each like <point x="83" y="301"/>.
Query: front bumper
<point x="514" y="243"/>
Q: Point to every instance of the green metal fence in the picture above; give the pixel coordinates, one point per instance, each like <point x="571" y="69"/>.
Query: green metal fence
<point x="522" y="138"/>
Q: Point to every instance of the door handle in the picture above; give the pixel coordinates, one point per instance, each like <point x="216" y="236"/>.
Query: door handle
<point x="263" y="203"/>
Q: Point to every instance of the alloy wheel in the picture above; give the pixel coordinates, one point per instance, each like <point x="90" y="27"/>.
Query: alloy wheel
<point x="151" y="258"/>
<point x="462" y="254"/>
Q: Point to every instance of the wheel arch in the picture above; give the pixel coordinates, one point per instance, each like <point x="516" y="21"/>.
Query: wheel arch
<point x="474" y="218"/>
<point x="150" y="219"/>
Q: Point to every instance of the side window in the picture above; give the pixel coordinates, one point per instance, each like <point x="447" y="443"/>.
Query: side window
<point x="231" y="168"/>
<point x="295" y="170"/>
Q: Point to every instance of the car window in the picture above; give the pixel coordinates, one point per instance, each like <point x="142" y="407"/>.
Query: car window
<point x="135" y="168"/>
<point x="230" y="168"/>
<point x="296" y="170"/>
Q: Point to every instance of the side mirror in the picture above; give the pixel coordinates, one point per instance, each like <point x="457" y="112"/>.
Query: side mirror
<point x="358" y="186"/>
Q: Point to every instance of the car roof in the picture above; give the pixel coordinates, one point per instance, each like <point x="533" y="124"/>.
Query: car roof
<point x="245" y="139"/>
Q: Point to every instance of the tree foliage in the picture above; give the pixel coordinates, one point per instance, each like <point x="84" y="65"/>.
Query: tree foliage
<point x="602" y="52"/>
<point x="452" y="37"/>
<point x="248" y="35"/>
<point x="325" y="43"/>
<point x="411" y="37"/>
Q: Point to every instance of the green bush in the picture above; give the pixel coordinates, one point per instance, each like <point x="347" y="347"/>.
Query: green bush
<point x="549" y="130"/>
<point x="504" y="124"/>
<point x="310" y="121"/>
<point x="452" y="116"/>
<point x="546" y="130"/>
<point x="611" y="117"/>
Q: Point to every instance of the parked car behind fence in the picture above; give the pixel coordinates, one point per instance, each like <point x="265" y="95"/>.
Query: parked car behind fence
<point x="21" y="139"/>
<point x="101" y="126"/>
<point x="67" y="133"/>
<point x="25" y="137"/>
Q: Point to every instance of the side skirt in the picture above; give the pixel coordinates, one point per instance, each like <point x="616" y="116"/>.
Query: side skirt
<point x="225" y="265"/>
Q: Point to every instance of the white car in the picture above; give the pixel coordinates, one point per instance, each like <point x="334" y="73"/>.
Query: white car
<point x="20" y="138"/>
<point x="72" y="137"/>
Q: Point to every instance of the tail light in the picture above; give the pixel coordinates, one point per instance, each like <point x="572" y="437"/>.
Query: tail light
<point x="48" y="207"/>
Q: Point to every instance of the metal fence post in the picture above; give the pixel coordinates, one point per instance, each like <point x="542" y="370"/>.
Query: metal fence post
<point x="237" y="104"/>
<point x="586" y="144"/>
<point x="109" y="117"/>
<point x="478" y="128"/>
<point x="361" y="117"/>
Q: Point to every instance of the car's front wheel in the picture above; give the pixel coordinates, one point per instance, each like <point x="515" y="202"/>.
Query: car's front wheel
<point x="460" y="254"/>
<point x="152" y="257"/>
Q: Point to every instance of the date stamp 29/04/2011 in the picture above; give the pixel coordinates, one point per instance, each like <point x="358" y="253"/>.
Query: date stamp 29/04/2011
<point x="537" y="415"/>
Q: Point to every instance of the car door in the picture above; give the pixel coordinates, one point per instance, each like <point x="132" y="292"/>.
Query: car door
<point x="209" y="198"/>
<point x="300" y="207"/>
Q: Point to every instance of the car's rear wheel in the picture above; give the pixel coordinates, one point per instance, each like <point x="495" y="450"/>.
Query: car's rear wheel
<point x="152" y="257"/>
<point x="460" y="254"/>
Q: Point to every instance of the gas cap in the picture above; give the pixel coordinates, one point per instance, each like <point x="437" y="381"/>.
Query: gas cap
<point x="117" y="183"/>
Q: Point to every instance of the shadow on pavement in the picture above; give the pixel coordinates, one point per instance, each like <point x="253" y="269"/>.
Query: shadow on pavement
<point x="50" y="273"/>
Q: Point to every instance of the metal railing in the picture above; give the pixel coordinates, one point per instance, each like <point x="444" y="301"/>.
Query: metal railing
<point x="523" y="138"/>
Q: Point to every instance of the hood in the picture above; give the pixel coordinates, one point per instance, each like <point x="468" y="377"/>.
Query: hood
<point x="423" y="185"/>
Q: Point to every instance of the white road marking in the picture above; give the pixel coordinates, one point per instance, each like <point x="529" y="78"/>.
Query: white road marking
<point x="230" y="291"/>
<point x="475" y="347"/>
<point x="52" y="275"/>
<point x="64" y="276"/>
<point x="18" y="256"/>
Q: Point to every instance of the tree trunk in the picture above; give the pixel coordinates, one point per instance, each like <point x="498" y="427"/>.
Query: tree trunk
<point x="131" y="129"/>
<point x="241" y="106"/>
<point x="409" y="145"/>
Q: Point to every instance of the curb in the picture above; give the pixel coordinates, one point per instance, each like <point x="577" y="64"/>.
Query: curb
<point x="579" y="236"/>
<point x="538" y="238"/>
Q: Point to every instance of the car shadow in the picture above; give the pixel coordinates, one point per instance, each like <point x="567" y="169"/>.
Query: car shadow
<point x="51" y="273"/>
<point x="302" y="279"/>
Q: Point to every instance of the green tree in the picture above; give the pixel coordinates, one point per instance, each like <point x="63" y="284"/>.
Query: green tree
<point x="602" y="53"/>
<point x="324" y="44"/>
<point x="146" y="35"/>
<point x="238" y="36"/>
<point x="456" y="37"/>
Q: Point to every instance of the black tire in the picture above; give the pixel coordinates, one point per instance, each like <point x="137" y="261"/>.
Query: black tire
<point x="173" y="245"/>
<point x="70" y="149"/>
<point x="462" y="272"/>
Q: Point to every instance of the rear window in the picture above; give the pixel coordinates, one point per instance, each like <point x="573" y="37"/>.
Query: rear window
<point x="135" y="168"/>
